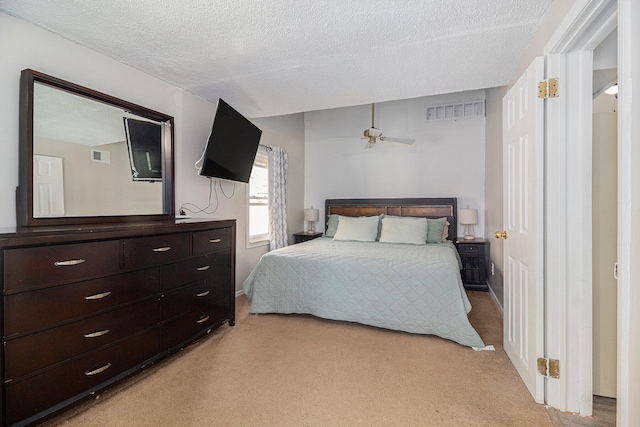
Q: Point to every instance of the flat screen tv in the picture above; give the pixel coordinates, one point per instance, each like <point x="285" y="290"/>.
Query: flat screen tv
<point x="232" y="146"/>
<point x="144" y="141"/>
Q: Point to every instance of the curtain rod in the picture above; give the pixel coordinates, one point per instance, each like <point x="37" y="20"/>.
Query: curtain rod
<point x="267" y="147"/>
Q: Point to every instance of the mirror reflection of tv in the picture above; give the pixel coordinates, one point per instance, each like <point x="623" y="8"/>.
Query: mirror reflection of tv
<point x="144" y="141"/>
<point x="231" y="147"/>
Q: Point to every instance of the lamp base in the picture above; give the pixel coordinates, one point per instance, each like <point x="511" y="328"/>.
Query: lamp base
<point x="311" y="227"/>
<point x="469" y="232"/>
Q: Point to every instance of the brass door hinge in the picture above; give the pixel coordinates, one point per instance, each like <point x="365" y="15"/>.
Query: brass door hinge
<point x="549" y="367"/>
<point x="548" y="88"/>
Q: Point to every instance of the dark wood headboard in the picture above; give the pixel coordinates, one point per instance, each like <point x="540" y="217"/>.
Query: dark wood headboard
<point x="426" y="207"/>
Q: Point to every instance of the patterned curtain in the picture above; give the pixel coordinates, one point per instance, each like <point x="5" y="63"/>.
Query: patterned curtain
<point x="278" y="197"/>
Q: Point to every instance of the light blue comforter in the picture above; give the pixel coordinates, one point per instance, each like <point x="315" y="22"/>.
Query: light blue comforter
<point x="403" y="287"/>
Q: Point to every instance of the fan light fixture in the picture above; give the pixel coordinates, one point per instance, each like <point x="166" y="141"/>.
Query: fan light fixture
<point x="372" y="135"/>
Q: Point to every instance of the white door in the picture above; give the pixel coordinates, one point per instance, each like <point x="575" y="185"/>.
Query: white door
<point x="48" y="186"/>
<point x="523" y="118"/>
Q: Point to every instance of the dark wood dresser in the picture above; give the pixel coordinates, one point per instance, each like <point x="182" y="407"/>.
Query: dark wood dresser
<point x="84" y="307"/>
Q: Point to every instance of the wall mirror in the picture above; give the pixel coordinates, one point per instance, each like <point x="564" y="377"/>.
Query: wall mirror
<point x="89" y="158"/>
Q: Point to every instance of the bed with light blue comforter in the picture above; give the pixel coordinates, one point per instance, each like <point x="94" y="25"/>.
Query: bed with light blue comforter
<point x="412" y="288"/>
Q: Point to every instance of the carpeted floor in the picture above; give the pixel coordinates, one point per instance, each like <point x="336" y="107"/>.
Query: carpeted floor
<point x="290" y="370"/>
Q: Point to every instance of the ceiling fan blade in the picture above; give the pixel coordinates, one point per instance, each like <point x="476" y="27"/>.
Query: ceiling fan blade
<point x="397" y="140"/>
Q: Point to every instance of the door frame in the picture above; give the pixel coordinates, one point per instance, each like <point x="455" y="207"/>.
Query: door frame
<point x="628" y="410"/>
<point x="568" y="177"/>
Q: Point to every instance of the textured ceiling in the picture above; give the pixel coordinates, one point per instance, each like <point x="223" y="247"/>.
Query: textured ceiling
<point x="286" y="56"/>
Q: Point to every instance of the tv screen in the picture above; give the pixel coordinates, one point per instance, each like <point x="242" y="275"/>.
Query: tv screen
<point x="232" y="145"/>
<point x="144" y="140"/>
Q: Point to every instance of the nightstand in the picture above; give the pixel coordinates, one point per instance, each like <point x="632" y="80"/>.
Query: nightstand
<point x="303" y="237"/>
<point x="474" y="255"/>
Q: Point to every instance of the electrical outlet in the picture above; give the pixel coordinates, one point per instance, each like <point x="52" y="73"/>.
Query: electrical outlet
<point x="493" y="269"/>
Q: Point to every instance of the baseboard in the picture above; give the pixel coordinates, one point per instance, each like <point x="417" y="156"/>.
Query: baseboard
<point x="239" y="293"/>
<point x="495" y="299"/>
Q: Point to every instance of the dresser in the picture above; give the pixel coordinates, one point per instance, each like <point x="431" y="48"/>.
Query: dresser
<point x="85" y="307"/>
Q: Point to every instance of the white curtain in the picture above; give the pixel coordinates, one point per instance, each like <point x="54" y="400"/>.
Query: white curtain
<point x="278" y="197"/>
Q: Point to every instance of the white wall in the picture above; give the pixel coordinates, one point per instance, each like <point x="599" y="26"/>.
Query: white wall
<point x="493" y="186"/>
<point x="26" y="46"/>
<point x="446" y="160"/>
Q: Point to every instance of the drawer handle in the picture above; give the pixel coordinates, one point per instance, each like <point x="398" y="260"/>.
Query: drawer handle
<point x="215" y="240"/>
<point x="97" y="334"/>
<point x="98" y="370"/>
<point x="203" y="294"/>
<point x="98" y="296"/>
<point x="202" y="318"/>
<point x="69" y="262"/>
<point x="162" y="249"/>
<point x="203" y="268"/>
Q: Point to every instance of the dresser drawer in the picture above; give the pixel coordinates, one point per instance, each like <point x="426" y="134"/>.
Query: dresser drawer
<point x="208" y="241"/>
<point x="464" y="248"/>
<point x="29" y="397"/>
<point x="143" y="251"/>
<point x="30" y="311"/>
<point x="195" y="269"/>
<point x="30" y="267"/>
<point x="34" y="352"/>
<point x="185" y="327"/>
<point x="191" y="298"/>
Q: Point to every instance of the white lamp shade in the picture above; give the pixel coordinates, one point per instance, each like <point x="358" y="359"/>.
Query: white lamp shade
<point x="468" y="216"/>
<point x="311" y="214"/>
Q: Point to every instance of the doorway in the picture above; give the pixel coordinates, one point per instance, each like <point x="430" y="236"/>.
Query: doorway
<point x="605" y="203"/>
<point x="605" y="214"/>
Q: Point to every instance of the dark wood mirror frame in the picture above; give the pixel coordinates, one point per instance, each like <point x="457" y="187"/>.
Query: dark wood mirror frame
<point x="24" y="193"/>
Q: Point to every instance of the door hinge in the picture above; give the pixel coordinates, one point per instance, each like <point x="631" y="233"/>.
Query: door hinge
<point x="549" y="368"/>
<point x="548" y="88"/>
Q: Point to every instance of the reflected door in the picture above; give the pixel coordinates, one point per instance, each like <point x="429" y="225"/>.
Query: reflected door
<point x="48" y="186"/>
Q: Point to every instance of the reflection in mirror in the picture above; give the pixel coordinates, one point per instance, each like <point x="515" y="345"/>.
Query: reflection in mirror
<point x="94" y="159"/>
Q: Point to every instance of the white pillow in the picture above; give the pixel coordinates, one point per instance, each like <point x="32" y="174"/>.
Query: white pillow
<point x="408" y="230"/>
<point x="360" y="228"/>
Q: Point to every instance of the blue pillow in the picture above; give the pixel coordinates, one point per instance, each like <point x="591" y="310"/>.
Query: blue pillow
<point x="409" y="230"/>
<point x="358" y="228"/>
<point x="332" y="226"/>
<point x="435" y="229"/>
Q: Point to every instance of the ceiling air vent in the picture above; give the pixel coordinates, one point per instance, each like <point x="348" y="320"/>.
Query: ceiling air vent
<point x="455" y="111"/>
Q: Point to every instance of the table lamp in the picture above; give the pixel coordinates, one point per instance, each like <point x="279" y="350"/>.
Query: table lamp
<point x="311" y="215"/>
<point x="468" y="217"/>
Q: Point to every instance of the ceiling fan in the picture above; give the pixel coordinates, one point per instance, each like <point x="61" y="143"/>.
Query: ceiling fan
<point x="372" y="135"/>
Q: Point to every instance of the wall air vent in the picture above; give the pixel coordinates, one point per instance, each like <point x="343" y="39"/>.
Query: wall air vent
<point x="455" y="111"/>
<point x="100" y="156"/>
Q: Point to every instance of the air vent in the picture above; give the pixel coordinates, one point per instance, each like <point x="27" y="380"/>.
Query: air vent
<point x="455" y="111"/>
<point x="100" y="156"/>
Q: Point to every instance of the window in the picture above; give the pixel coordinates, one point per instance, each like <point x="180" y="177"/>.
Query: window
<point x="258" y="228"/>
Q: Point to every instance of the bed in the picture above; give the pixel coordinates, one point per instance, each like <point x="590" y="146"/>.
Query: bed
<point x="414" y="288"/>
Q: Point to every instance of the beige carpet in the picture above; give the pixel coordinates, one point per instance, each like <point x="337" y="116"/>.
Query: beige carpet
<point x="278" y="370"/>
